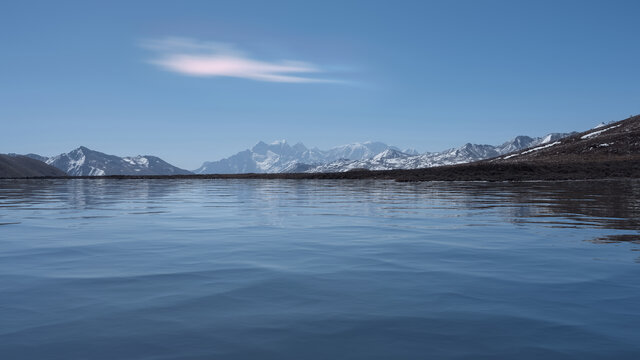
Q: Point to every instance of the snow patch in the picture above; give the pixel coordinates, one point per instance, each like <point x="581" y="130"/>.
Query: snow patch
<point x="540" y="147"/>
<point x="534" y="149"/>
<point x="546" y="139"/>
<point x="95" y="171"/>
<point x="137" y="161"/>
<point x="596" y="133"/>
<point x="602" y="145"/>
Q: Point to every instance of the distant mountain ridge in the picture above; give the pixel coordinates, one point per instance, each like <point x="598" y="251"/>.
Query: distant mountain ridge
<point x="391" y="160"/>
<point x="17" y="166"/>
<point x="86" y="162"/>
<point x="280" y="157"/>
<point x="606" y="140"/>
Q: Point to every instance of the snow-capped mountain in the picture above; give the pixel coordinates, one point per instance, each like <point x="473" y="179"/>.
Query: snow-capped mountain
<point x="523" y="142"/>
<point x="86" y="162"/>
<point x="391" y="159"/>
<point x="411" y="151"/>
<point x="280" y="157"/>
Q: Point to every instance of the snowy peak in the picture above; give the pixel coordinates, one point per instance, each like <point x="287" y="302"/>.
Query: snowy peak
<point x="299" y="148"/>
<point x="553" y="137"/>
<point x="139" y="160"/>
<point x="393" y="159"/>
<point x="475" y="151"/>
<point x="357" y="151"/>
<point x="389" y="154"/>
<point x="86" y="162"/>
<point x="523" y="142"/>
<point x="515" y="144"/>
<point x="81" y="161"/>
<point x="279" y="156"/>
<point x="280" y="147"/>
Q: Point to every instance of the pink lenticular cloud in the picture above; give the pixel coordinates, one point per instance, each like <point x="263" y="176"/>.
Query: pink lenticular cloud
<point x="194" y="58"/>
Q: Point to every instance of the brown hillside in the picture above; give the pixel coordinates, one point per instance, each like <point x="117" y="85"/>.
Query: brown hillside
<point x="21" y="166"/>
<point x="615" y="141"/>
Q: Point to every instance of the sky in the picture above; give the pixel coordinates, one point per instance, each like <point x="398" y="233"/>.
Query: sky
<point x="195" y="81"/>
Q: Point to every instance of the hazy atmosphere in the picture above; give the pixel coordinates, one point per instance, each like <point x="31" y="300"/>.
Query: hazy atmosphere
<point x="201" y="80"/>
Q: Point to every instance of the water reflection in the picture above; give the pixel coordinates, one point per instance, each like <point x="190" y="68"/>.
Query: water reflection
<point x="614" y="203"/>
<point x="286" y="269"/>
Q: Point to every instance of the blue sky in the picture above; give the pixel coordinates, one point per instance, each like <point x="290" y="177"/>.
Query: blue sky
<point x="191" y="81"/>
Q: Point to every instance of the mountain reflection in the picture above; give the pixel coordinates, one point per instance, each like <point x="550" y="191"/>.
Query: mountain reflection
<point x="613" y="204"/>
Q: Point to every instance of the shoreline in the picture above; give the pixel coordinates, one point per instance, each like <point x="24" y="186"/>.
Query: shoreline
<point x="477" y="171"/>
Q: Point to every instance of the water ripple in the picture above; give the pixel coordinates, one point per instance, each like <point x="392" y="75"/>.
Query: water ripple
<point x="285" y="269"/>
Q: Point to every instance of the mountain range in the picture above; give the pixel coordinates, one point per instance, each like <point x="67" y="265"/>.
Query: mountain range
<point x="280" y="157"/>
<point x="86" y="162"/>
<point x="607" y="151"/>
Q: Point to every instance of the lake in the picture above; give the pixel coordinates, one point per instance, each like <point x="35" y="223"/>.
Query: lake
<point x="286" y="269"/>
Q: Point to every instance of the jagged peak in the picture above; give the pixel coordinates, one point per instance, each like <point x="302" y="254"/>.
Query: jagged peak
<point x="299" y="147"/>
<point x="277" y="146"/>
<point x="521" y="138"/>
<point x="390" y="154"/>
<point x="467" y="146"/>
<point x="260" y="147"/>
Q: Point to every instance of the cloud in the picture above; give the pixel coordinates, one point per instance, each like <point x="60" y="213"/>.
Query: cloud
<point x="210" y="59"/>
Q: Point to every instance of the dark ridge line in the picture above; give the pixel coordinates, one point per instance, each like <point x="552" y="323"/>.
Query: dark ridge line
<point x="627" y="167"/>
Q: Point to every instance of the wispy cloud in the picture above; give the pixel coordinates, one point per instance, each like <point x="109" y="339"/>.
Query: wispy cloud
<point x="210" y="59"/>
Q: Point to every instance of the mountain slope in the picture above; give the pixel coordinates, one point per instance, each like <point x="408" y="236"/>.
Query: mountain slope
<point x="613" y="141"/>
<point x="86" y="162"/>
<point x="13" y="166"/>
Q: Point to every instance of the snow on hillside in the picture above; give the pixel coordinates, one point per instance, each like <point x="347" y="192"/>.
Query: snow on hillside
<point x="464" y="154"/>
<point x="280" y="157"/>
<point x="86" y="162"/>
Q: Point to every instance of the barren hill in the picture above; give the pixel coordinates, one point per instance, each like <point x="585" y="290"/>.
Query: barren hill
<point x="607" y="142"/>
<point x="17" y="166"/>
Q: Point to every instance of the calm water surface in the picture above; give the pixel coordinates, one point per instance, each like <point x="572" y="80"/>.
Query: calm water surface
<point x="258" y="269"/>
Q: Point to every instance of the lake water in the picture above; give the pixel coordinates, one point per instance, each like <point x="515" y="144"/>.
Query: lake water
<point x="280" y="269"/>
